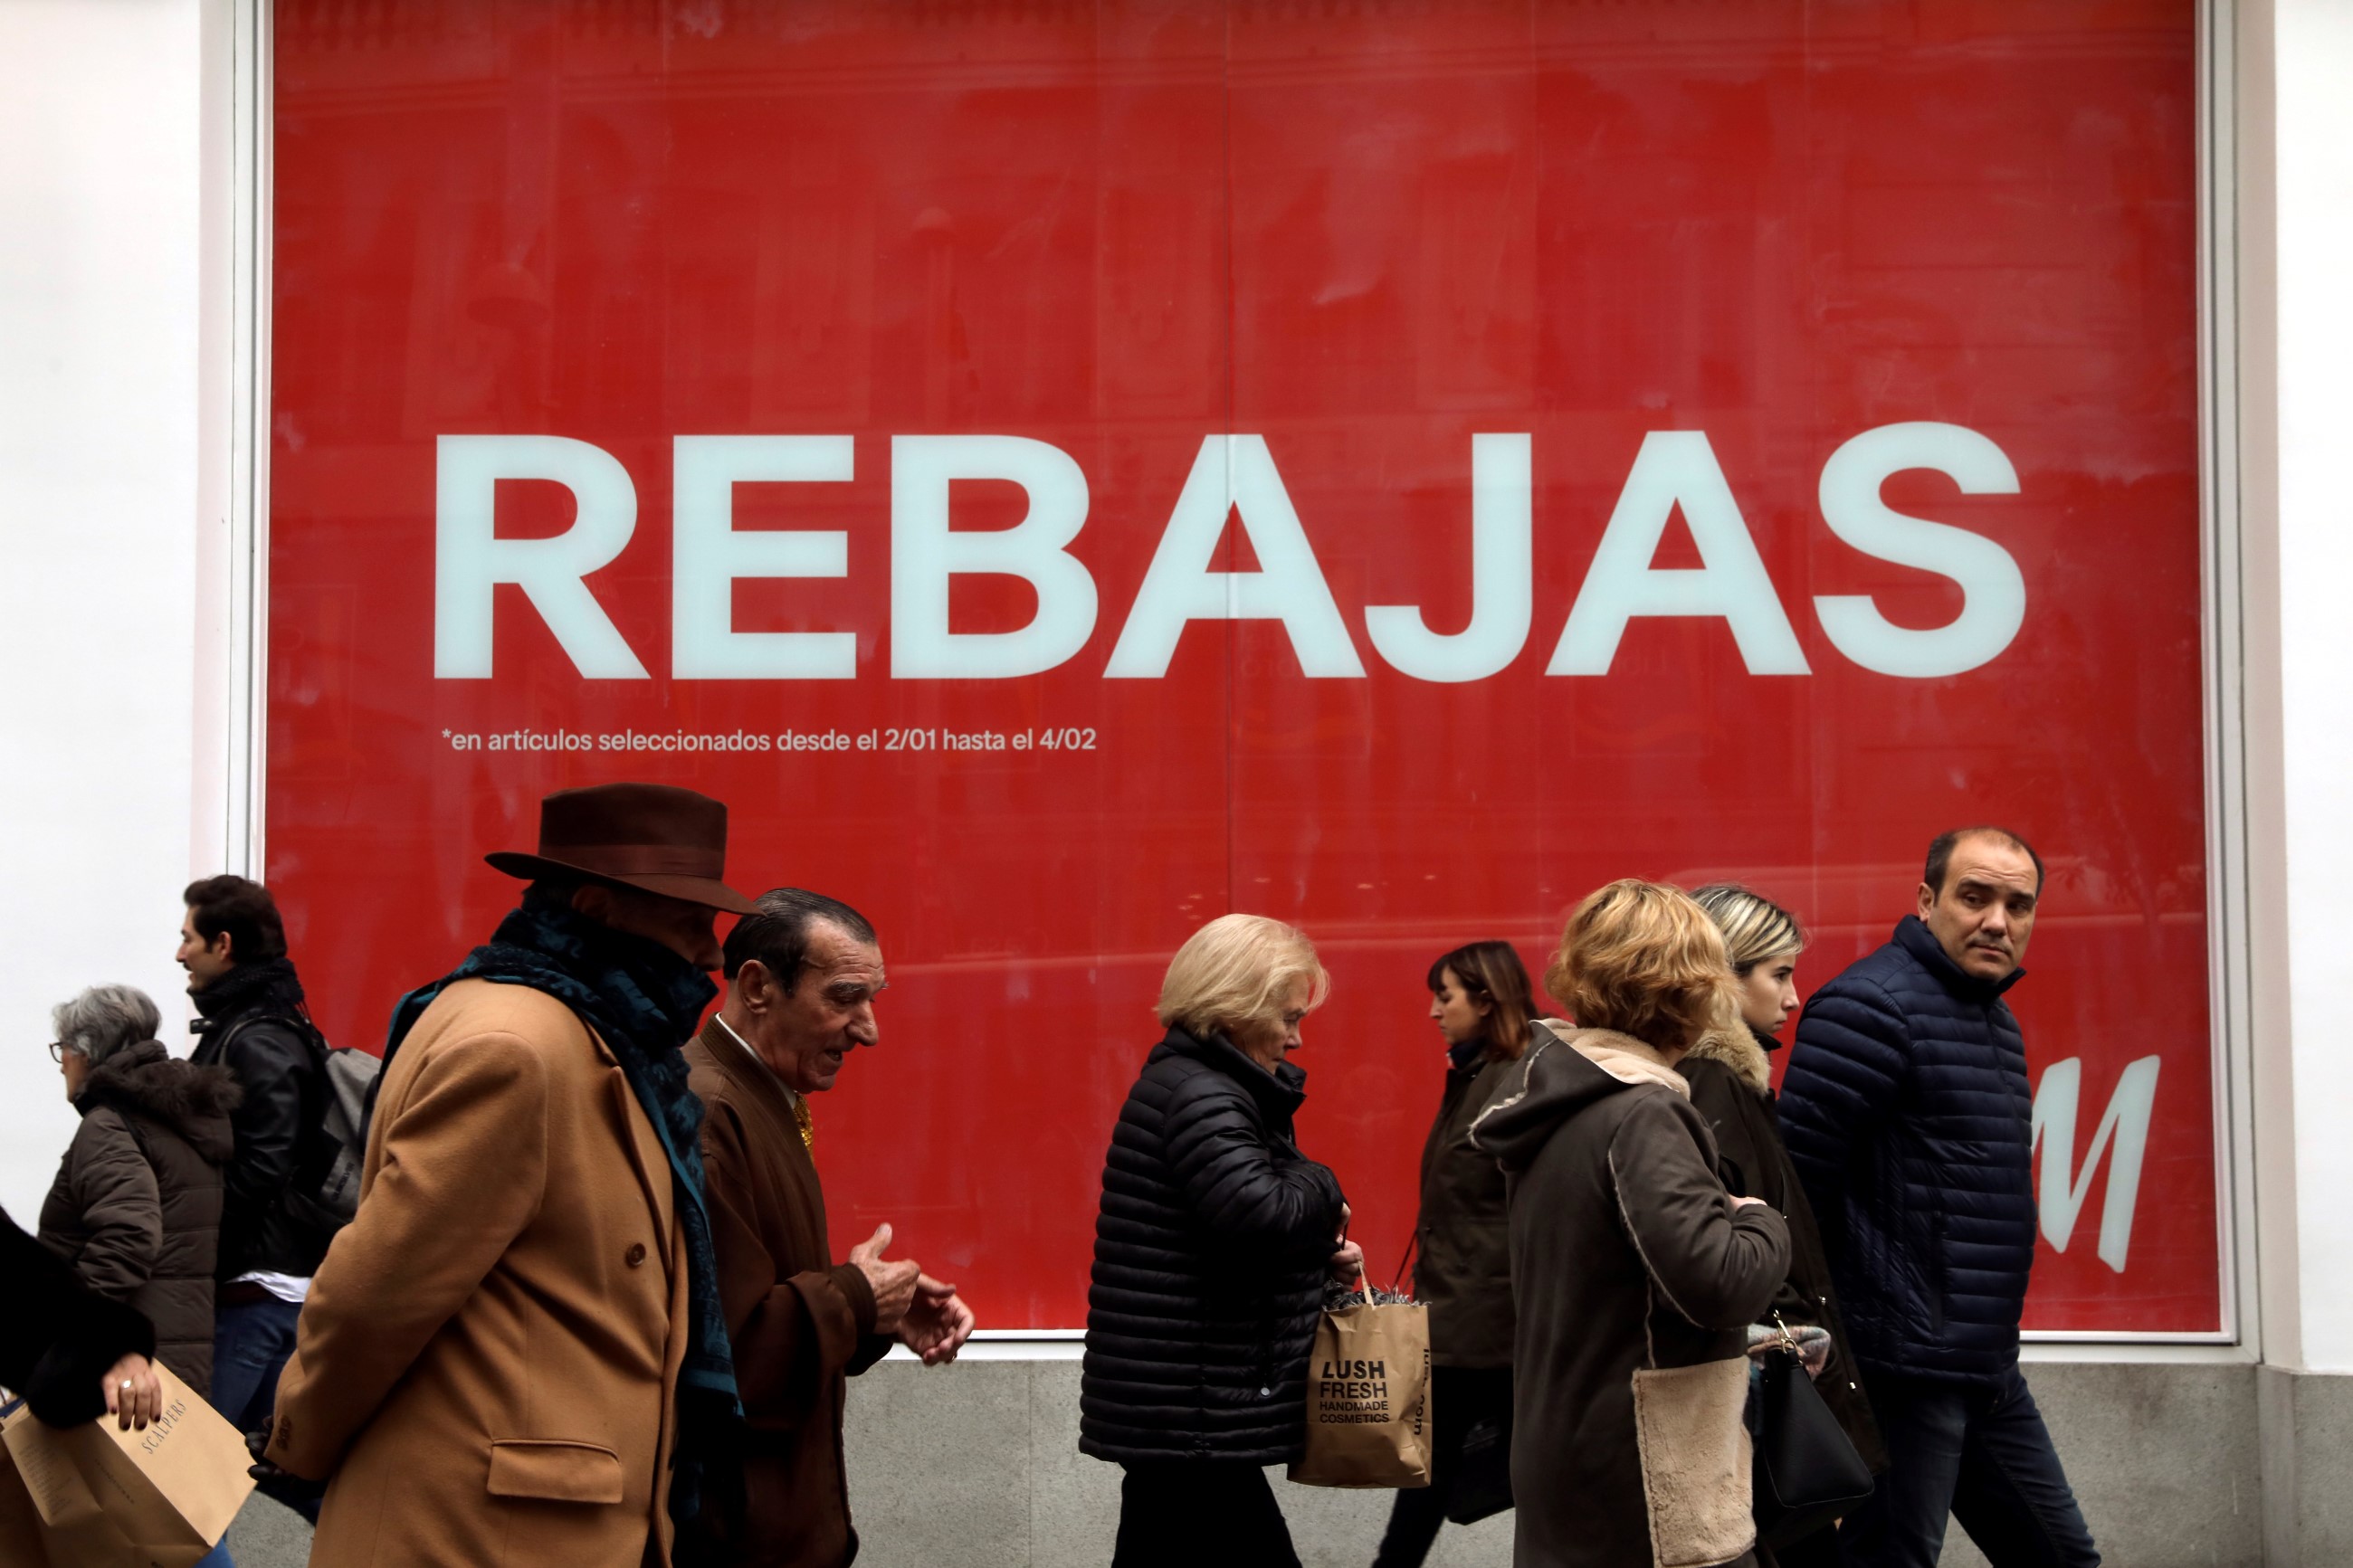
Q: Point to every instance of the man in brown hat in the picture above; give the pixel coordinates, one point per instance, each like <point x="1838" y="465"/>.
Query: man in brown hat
<point x="515" y="1354"/>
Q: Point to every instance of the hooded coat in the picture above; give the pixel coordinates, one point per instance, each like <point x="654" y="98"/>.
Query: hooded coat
<point x="1211" y="1248"/>
<point x="1909" y="1118"/>
<point x="1636" y="1280"/>
<point x="136" y="1208"/>
<point x="1731" y="1085"/>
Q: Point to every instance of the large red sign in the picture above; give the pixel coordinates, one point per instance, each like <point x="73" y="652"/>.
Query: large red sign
<point x="1063" y="471"/>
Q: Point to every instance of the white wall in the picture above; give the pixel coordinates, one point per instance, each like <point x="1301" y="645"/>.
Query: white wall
<point x="2310" y="416"/>
<point x="98" y="471"/>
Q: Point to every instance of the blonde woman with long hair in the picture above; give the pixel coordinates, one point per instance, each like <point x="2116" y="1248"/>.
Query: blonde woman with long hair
<point x="1730" y="1074"/>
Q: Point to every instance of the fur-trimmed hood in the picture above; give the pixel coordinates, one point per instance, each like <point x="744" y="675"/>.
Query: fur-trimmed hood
<point x="1741" y="1046"/>
<point x="145" y="1080"/>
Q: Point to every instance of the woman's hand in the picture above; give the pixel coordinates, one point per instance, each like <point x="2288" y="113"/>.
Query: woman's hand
<point x="1348" y="1261"/>
<point x="134" y="1394"/>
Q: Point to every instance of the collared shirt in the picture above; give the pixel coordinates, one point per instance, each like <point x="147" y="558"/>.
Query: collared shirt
<point x="799" y="1101"/>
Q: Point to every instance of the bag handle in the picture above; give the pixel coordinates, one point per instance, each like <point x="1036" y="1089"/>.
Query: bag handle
<point x="1412" y="1245"/>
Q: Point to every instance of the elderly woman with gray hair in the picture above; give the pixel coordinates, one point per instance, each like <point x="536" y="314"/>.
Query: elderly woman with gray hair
<point x="136" y="1210"/>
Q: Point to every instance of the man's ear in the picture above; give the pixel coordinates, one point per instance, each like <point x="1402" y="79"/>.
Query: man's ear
<point x="1927" y="900"/>
<point x="757" y="984"/>
<point x="226" y="944"/>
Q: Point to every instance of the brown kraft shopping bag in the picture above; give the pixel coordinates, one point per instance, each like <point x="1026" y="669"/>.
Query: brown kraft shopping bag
<point x="20" y="1521"/>
<point x="1369" y="1397"/>
<point x="159" y="1497"/>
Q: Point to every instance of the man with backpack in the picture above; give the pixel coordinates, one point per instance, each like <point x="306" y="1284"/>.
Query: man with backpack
<point x="254" y="1022"/>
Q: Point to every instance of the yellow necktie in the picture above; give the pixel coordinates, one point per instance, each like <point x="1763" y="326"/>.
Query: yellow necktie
<point x="805" y="1122"/>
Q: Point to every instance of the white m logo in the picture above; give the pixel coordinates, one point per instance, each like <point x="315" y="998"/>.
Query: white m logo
<point x="2063" y="1190"/>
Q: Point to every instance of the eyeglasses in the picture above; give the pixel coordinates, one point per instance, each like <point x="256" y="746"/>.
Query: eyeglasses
<point x="58" y="1051"/>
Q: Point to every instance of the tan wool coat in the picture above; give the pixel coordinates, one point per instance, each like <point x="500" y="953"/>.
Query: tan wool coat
<point x="487" y="1364"/>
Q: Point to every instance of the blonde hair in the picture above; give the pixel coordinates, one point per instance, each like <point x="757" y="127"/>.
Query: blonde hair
<point x="1234" y="976"/>
<point x="1755" y="928"/>
<point x="1644" y="959"/>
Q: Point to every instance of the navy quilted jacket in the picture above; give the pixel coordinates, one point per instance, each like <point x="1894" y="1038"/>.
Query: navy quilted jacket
<point x="1906" y="1113"/>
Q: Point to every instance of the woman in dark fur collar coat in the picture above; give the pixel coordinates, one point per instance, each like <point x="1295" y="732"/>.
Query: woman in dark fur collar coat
<point x="136" y="1208"/>
<point x="1731" y="1085"/>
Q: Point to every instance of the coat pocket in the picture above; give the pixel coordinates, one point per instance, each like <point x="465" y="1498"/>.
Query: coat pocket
<point x="1696" y="1461"/>
<point x="554" y="1470"/>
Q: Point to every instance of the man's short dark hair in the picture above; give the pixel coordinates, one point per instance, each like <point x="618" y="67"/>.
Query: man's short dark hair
<point x="1940" y="854"/>
<point x="243" y="908"/>
<point x="778" y="935"/>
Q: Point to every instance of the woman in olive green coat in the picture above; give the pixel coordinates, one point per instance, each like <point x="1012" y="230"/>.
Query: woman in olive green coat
<point x="1480" y="1000"/>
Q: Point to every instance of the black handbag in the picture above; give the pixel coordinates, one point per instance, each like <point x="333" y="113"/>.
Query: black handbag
<point x="1806" y="1473"/>
<point x="1482" y="1473"/>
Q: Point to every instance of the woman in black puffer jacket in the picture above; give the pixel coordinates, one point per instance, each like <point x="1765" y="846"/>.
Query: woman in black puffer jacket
<point x="1212" y="1246"/>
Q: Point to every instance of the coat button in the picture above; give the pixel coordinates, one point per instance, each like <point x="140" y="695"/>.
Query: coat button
<point x="636" y="1255"/>
<point x="1266" y="1393"/>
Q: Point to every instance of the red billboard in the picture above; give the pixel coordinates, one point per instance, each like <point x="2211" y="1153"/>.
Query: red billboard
<point x="1064" y="472"/>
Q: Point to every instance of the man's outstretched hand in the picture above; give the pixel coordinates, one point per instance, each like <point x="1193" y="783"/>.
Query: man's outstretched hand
<point x="936" y="1323"/>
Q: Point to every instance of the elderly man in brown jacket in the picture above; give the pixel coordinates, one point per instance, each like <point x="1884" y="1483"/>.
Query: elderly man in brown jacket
<point x="513" y="1355"/>
<point x="803" y="973"/>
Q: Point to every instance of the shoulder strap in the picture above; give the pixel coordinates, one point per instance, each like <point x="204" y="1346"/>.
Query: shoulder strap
<point x="1404" y="1264"/>
<point x="303" y="1030"/>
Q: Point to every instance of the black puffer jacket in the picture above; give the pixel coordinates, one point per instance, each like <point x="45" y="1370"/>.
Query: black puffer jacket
<point x="58" y="1337"/>
<point x="136" y="1207"/>
<point x="1211" y="1248"/>
<point x="250" y="1027"/>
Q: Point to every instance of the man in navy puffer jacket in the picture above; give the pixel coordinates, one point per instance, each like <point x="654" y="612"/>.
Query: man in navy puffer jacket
<point x="1907" y="1111"/>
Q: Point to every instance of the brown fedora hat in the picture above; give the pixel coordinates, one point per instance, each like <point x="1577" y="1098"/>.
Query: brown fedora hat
<point x="657" y="837"/>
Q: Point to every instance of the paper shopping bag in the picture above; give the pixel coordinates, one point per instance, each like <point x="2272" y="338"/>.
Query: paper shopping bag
<point x="159" y="1497"/>
<point x="20" y="1523"/>
<point x="1369" y="1397"/>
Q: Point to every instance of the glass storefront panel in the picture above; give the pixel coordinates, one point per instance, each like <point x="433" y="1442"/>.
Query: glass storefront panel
<point x="1062" y="471"/>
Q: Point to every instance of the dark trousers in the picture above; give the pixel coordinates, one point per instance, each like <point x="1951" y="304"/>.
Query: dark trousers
<point x="1460" y="1396"/>
<point x="251" y="1344"/>
<point x="1188" y="1513"/>
<point x="1979" y="1455"/>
